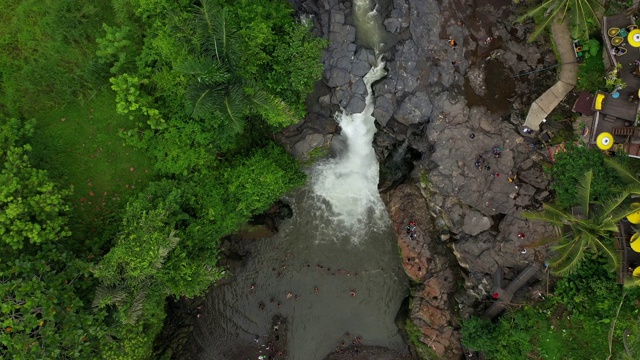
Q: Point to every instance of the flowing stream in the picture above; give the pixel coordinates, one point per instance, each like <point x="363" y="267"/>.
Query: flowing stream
<point x="339" y="242"/>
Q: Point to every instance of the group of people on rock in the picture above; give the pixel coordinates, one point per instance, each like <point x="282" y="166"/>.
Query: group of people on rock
<point x="411" y="229"/>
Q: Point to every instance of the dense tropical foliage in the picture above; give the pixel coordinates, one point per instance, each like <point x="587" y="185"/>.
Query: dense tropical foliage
<point x="150" y="141"/>
<point x="586" y="229"/>
<point x="588" y="316"/>
<point x="569" y="169"/>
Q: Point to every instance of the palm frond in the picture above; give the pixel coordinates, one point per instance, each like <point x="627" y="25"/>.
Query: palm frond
<point x="216" y="35"/>
<point x="135" y="309"/>
<point x="546" y="241"/>
<point x="580" y="28"/>
<point x="613" y="260"/>
<point x="580" y="13"/>
<point x="535" y="11"/>
<point x="633" y="189"/>
<point x="570" y="254"/>
<point x="625" y="174"/>
<point x="202" y="100"/>
<point x="623" y="212"/>
<point x="551" y="214"/>
<point x="632" y="282"/>
<point x="612" y="208"/>
<point x="165" y="249"/>
<point x="583" y="192"/>
<point x="546" y="23"/>
<point x="233" y="108"/>
<point x="109" y="295"/>
<point x="273" y="109"/>
<point x="207" y="71"/>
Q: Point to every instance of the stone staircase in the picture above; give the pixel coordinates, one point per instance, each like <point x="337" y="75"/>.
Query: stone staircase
<point x="505" y="295"/>
<point x="626" y="131"/>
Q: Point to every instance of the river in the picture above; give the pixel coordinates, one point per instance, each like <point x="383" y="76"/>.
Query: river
<point x="332" y="272"/>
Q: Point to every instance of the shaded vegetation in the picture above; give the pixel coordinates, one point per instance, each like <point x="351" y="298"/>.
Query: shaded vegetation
<point x="591" y="73"/>
<point x="585" y="231"/>
<point x="575" y="322"/>
<point x="569" y="168"/>
<point x="582" y="15"/>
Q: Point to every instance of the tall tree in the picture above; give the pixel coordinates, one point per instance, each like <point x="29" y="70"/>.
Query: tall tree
<point x="217" y="92"/>
<point x="583" y="15"/>
<point x="590" y="232"/>
<point x="42" y="312"/>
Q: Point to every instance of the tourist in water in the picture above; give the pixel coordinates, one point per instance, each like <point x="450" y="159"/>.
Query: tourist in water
<point x="315" y="290"/>
<point x="352" y="293"/>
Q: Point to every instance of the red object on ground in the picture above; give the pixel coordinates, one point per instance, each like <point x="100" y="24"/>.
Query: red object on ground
<point x="496" y="295"/>
<point x="521" y="235"/>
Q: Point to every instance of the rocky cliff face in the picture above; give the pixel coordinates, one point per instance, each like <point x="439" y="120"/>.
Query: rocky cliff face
<point x="443" y="107"/>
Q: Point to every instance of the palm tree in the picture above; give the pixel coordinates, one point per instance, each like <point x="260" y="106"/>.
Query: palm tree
<point x="588" y="233"/>
<point x="126" y="293"/>
<point x="218" y="94"/>
<point x="633" y="187"/>
<point x="583" y="16"/>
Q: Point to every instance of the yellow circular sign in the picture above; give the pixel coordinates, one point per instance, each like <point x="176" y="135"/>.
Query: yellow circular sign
<point x="634" y="218"/>
<point x="636" y="271"/>
<point x="604" y="141"/>
<point x="635" y="243"/>
<point x="634" y="38"/>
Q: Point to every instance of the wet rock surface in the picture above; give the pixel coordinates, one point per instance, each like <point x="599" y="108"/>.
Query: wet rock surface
<point x="356" y="352"/>
<point x="453" y="106"/>
<point x="425" y="260"/>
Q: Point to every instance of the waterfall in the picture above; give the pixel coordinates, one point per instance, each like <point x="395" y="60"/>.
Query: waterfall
<point x="349" y="182"/>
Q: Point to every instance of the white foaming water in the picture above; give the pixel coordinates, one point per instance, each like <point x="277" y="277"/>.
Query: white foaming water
<point x="349" y="182"/>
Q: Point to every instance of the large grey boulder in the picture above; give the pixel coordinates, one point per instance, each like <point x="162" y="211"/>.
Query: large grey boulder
<point x="414" y="109"/>
<point x="475" y="223"/>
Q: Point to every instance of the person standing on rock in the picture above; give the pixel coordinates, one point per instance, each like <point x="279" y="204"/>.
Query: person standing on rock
<point x="411" y="229"/>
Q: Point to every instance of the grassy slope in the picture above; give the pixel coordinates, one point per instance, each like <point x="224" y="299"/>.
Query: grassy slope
<point x="80" y="146"/>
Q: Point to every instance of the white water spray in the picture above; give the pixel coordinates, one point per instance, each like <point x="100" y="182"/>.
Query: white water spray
<point x="349" y="183"/>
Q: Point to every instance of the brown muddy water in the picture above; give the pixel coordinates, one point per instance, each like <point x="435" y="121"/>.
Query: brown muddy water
<point x="310" y="251"/>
